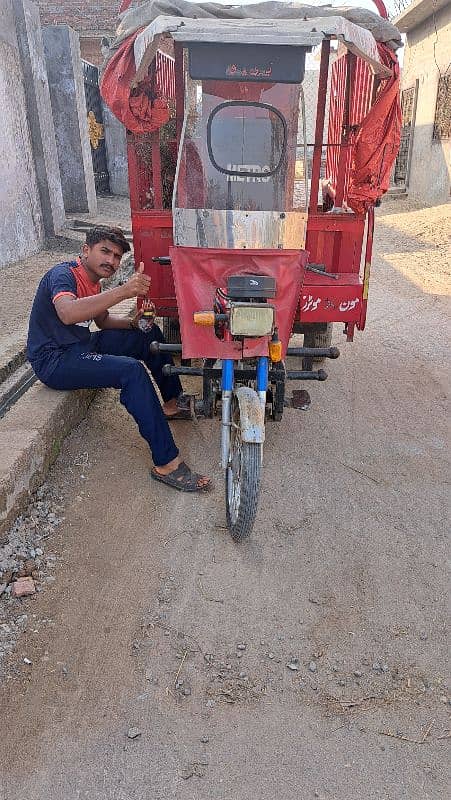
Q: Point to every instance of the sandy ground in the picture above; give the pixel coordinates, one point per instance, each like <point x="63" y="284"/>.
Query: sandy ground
<point x="157" y="621"/>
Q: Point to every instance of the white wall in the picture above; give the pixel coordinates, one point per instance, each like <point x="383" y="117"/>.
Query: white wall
<point x="21" y="226"/>
<point x="427" y="54"/>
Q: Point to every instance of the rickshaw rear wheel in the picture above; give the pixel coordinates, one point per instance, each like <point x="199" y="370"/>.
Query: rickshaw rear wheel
<point x="242" y="482"/>
<point x="171" y="330"/>
<point x="278" y="392"/>
<point x="318" y="338"/>
<point x="208" y="390"/>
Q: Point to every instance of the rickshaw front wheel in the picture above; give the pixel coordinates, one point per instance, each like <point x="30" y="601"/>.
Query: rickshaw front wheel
<point x="242" y="482"/>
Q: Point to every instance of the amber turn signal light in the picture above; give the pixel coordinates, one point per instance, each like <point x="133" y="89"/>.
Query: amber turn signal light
<point x="275" y="347"/>
<point x="275" y="351"/>
<point x="204" y="318"/>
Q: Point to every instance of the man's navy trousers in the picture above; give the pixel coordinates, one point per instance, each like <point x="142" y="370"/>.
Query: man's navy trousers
<point x="112" y="359"/>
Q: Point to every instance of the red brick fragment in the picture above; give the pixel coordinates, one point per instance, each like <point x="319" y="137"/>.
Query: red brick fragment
<point x="23" y="587"/>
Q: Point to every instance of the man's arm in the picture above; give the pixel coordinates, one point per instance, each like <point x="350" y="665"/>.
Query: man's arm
<point x="72" y="310"/>
<point x="107" y="321"/>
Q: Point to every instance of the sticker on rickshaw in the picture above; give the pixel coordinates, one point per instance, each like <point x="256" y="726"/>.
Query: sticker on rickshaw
<point x="243" y="72"/>
<point x="257" y="178"/>
<point x="332" y="307"/>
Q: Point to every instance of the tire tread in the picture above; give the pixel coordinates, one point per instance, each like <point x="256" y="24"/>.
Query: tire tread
<point x="250" y="486"/>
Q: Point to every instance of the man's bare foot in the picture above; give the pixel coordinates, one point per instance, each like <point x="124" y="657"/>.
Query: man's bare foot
<point x="170" y="407"/>
<point x="181" y="407"/>
<point x="170" y="467"/>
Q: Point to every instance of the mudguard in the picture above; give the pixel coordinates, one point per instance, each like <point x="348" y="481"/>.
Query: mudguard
<point x="252" y="415"/>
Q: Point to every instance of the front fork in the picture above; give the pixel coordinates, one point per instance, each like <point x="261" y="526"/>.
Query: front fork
<point x="226" y="418"/>
<point x="227" y="391"/>
<point x="262" y="379"/>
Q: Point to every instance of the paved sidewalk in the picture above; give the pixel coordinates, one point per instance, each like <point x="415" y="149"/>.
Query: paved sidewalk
<point x="111" y="210"/>
<point x="18" y="281"/>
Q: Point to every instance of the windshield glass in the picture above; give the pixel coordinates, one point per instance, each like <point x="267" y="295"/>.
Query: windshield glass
<point x="242" y="147"/>
<point x="240" y="133"/>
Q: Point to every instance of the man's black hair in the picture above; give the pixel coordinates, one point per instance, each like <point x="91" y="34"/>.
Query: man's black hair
<point x="102" y="232"/>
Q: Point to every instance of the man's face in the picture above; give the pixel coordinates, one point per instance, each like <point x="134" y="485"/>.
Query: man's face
<point x="102" y="259"/>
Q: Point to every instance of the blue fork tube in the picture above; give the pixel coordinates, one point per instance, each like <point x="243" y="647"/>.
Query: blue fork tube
<point x="262" y="379"/>
<point x="226" y="421"/>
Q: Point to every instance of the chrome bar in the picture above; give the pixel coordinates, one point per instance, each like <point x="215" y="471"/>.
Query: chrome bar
<point x="226" y="424"/>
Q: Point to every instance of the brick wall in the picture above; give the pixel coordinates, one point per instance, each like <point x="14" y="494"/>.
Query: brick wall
<point x="88" y="17"/>
<point x="90" y="49"/>
<point x="93" y="19"/>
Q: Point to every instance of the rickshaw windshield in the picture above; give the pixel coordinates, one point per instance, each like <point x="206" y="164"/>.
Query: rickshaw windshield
<point x="239" y="133"/>
<point x="237" y="146"/>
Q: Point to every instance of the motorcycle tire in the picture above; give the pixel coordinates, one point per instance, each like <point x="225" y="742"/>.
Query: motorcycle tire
<point x="242" y="486"/>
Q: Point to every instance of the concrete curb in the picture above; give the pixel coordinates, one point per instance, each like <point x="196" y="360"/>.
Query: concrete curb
<point x="30" y="440"/>
<point x="14" y="363"/>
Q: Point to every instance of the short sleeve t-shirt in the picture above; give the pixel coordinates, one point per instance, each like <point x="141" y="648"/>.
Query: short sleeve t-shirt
<point x="48" y="337"/>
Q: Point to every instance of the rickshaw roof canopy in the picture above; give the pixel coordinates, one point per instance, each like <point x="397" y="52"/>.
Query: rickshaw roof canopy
<point x="271" y="23"/>
<point x="152" y="25"/>
<point x="146" y="12"/>
<point x="293" y="32"/>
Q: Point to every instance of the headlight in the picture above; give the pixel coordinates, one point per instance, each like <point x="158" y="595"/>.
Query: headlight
<point x="251" y="319"/>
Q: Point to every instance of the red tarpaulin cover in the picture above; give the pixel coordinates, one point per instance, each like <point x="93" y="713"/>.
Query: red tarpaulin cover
<point x="198" y="272"/>
<point x="377" y="142"/>
<point x="135" y="108"/>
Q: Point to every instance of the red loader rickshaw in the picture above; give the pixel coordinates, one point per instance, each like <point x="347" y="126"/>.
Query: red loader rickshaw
<point x="249" y="230"/>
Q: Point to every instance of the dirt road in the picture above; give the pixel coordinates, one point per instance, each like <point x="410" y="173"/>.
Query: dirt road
<point x="157" y="622"/>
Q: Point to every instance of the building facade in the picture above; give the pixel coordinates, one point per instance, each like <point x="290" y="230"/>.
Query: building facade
<point x="424" y="163"/>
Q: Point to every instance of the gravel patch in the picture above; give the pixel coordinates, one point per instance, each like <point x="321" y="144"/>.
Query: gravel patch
<point x="24" y="554"/>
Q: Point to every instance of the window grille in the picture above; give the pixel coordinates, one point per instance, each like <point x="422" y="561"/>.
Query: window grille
<point x="442" y="121"/>
<point x="408" y="99"/>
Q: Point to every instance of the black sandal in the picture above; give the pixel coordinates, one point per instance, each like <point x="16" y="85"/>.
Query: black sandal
<point x="185" y="408"/>
<point x="182" y="479"/>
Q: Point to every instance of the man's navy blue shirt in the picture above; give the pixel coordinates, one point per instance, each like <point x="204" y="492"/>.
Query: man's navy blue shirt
<point x="48" y="337"/>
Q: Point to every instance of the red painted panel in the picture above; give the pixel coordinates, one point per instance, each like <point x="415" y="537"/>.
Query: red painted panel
<point x="326" y="300"/>
<point x="360" y="98"/>
<point x="199" y="272"/>
<point x="335" y="240"/>
<point x="152" y="236"/>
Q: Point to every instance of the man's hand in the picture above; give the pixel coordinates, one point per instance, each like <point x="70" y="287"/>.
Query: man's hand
<point x="134" y="321"/>
<point x="138" y="285"/>
<point x="149" y="307"/>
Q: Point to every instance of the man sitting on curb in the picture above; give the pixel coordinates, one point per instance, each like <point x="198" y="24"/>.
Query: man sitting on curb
<point x="66" y="355"/>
